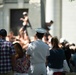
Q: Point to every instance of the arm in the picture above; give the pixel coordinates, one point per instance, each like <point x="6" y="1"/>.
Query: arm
<point x="22" y="19"/>
<point x="25" y="19"/>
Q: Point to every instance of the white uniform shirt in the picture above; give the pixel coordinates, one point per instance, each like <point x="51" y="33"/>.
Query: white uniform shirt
<point x="38" y="51"/>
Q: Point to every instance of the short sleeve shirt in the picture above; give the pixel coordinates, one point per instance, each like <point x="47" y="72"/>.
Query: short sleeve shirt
<point x="38" y="51"/>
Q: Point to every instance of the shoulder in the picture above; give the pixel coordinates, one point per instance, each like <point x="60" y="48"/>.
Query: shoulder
<point x="33" y="42"/>
<point x="7" y="42"/>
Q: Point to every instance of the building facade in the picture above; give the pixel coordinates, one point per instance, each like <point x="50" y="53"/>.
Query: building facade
<point x="62" y="12"/>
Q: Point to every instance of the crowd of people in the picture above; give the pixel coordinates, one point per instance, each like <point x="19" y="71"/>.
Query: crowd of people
<point x="43" y="54"/>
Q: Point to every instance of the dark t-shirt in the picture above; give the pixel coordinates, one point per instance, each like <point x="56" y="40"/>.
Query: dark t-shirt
<point x="56" y="58"/>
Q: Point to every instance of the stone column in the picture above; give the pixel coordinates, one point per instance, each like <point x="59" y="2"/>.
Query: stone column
<point x="54" y="12"/>
<point x="58" y="18"/>
<point x="49" y="10"/>
<point x="1" y="14"/>
<point x="35" y="13"/>
<point x="43" y="13"/>
<point x="1" y="20"/>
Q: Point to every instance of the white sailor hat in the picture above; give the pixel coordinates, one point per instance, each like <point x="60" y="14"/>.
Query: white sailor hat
<point x="40" y="30"/>
<point x="24" y="13"/>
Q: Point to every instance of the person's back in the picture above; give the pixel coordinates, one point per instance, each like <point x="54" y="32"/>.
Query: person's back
<point x="22" y="63"/>
<point x="7" y="52"/>
<point x="56" y="58"/>
<point x="38" y="51"/>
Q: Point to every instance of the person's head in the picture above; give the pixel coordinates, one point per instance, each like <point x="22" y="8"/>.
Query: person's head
<point x="63" y="42"/>
<point x="51" y="22"/>
<point x="19" y="50"/>
<point x="55" y="42"/>
<point x="3" y="33"/>
<point x="40" y="33"/>
<point x="25" y="14"/>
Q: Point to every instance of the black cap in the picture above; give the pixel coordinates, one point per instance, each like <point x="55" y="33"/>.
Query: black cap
<point x="3" y="32"/>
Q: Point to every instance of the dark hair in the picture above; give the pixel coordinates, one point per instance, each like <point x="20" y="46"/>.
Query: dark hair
<point x="20" y="50"/>
<point x="40" y="35"/>
<point x="55" y="42"/>
<point x="3" y="32"/>
<point x="51" y="22"/>
<point x="18" y="45"/>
